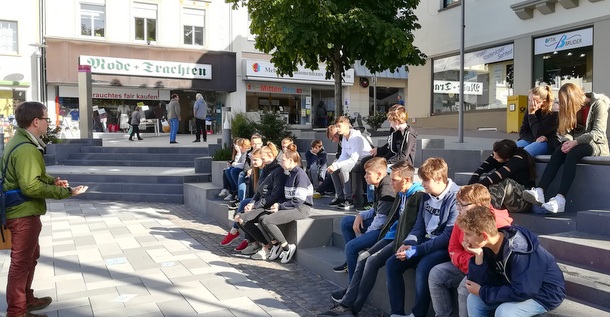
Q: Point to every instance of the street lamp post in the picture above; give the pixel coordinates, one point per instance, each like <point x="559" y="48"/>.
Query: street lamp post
<point x="461" y="109"/>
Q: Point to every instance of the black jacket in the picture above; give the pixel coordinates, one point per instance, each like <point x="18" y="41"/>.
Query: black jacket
<point x="540" y="124"/>
<point x="271" y="189"/>
<point x="400" y="147"/>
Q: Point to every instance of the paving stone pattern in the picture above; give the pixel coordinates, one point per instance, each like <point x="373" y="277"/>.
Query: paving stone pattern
<point x="102" y="258"/>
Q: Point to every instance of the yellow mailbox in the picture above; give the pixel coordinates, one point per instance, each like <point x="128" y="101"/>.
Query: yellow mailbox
<point x="516" y="109"/>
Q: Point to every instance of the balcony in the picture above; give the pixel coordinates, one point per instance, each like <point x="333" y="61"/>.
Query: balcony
<point x="525" y="10"/>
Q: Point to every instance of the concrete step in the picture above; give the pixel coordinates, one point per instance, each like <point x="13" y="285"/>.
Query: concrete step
<point x="81" y="162"/>
<point x="572" y="307"/>
<point x="546" y="224"/>
<point x="201" y="151"/>
<point x="583" y="249"/>
<point x="139" y="197"/>
<point x="120" y="156"/>
<point x="142" y="188"/>
<point x="586" y="285"/>
<point x="203" y="164"/>
<point x="594" y="221"/>
<point x="117" y="178"/>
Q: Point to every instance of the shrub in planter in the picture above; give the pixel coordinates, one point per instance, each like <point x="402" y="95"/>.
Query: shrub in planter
<point x="242" y="127"/>
<point x="375" y="121"/>
<point x="223" y="154"/>
<point x="273" y="127"/>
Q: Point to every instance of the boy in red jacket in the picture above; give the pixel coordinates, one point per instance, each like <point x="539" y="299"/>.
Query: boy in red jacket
<point x="449" y="275"/>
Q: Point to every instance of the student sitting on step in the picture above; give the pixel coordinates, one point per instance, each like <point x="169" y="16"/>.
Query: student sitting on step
<point x="270" y="191"/>
<point x="451" y="275"/>
<point x="409" y="195"/>
<point x="297" y="205"/>
<point x="511" y="274"/>
<point x="234" y="167"/>
<point x="538" y="132"/>
<point x="244" y="186"/>
<point x="507" y="172"/>
<point x="316" y="163"/>
<point x="327" y="186"/>
<point x="583" y="120"/>
<point x="368" y="224"/>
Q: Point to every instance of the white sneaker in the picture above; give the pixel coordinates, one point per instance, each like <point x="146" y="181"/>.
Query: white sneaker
<point x="556" y="204"/>
<point x="286" y="256"/>
<point x="275" y="252"/>
<point x="223" y="192"/>
<point x="262" y="254"/>
<point x="534" y="196"/>
<point x="229" y="197"/>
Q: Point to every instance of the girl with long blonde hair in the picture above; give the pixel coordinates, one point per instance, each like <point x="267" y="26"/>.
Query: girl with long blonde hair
<point x="538" y="132"/>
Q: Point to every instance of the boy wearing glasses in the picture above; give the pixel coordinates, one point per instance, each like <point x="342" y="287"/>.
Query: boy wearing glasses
<point x="452" y="275"/>
<point x="511" y="274"/>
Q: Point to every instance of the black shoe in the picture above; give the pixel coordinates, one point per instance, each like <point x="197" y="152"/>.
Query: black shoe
<point x="172" y="142"/>
<point x="346" y="205"/>
<point x="341" y="268"/>
<point x="140" y="139"/>
<point x="338" y="295"/>
<point x="339" y="310"/>
<point x="197" y="141"/>
<point x="366" y="207"/>
<point x="336" y="202"/>
<point x="130" y="139"/>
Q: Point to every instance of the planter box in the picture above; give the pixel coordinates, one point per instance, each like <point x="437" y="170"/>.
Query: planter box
<point x="217" y="170"/>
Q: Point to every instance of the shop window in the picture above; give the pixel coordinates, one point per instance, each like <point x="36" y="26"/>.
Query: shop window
<point x="383" y="98"/>
<point x="8" y="37"/>
<point x="145" y="22"/>
<point x="487" y="81"/>
<point x="450" y="3"/>
<point x="194" y="27"/>
<point x="92" y="20"/>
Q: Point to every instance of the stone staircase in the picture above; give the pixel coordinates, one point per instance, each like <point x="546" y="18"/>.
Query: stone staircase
<point x="149" y="174"/>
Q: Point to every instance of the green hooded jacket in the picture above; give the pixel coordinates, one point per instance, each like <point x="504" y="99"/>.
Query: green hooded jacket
<point x="26" y="171"/>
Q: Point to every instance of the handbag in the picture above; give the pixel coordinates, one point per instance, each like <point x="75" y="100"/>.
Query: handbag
<point x="130" y="129"/>
<point x="15" y="197"/>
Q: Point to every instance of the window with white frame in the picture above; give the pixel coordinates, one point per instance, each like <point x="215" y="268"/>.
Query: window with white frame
<point x="194" y="26"/>
<point x="145" y="17"/>
<point x="92" y="20"/>
<point x="449" y="3"/>
<point x="8" y="37"/>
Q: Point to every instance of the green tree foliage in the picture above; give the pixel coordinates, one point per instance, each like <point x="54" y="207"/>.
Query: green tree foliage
<point x="336" y="33"/>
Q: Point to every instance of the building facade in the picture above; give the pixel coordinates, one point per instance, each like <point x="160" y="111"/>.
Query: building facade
<point x="510" y="47"/>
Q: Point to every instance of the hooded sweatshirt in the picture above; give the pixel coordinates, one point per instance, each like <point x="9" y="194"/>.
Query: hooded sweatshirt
<point x="353" y="148"/>
<point x="271" y="189"/>
<point x="297" y="190"/>
<point x="400" y="208"/>
<point x="522" y="270"/>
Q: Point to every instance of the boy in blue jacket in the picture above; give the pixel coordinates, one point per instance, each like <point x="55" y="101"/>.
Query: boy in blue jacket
<point x="510" y="274"/>
<point x="427" y="243"/>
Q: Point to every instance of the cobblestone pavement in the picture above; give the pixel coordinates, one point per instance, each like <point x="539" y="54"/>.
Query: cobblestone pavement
<point x="304" y="292"/>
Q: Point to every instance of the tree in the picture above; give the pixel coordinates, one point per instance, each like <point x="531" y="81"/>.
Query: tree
<point x="335" y="32"/>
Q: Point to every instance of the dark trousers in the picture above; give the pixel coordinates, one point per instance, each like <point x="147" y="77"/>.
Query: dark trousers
<point x="200" y="128"/>
<point x="569" y="161"/>
<point x="135" y="130"/>
<point x="358" y="182"/>
<point x="249" y="226"/>
<point x="25" y="252"/>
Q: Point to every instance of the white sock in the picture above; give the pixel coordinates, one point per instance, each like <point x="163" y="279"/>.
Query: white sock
<point x="233" y="231"/>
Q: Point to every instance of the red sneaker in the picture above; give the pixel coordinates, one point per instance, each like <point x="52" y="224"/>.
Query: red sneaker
<point x="228" y="238"/>
<point x="242" y="245"/>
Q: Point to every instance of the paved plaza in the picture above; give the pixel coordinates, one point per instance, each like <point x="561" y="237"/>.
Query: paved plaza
<point x="102" y="258"/>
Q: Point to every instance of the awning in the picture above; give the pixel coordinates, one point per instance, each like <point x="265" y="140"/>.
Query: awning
<point x="362" y="71"/>
<point x="14" y="84"/>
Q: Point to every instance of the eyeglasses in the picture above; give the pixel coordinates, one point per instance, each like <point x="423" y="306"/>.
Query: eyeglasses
<point x="45" y="118"/>
<point x="459" y="204"/>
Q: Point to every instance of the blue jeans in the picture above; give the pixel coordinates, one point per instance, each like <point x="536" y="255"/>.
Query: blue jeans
<point x="396" y="286"/>
<point x="534" y="148"/>
<point x="442" y="279"/>
<point x="530" y="307"/>
<point x="173" y="129"/>
<point x="365" y="274"/>
<point x="241" y="185"/>
<point x="354" y="246"/>
<point x="347" y="227"/>
<point x="232" y="176"/>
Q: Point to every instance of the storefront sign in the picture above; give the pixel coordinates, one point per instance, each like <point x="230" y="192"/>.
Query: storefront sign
<point x="265" y="69"/>
<point x="453" y="87"/>
<point x="278" y="89"/>
<point x="482" y="57"/>
<point x="147" y="68"/>
<point x="118" y="93"/>
<point x="563" y="41"/>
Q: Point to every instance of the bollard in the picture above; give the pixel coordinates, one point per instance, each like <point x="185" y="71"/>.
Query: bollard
<point x="226" y="128"/>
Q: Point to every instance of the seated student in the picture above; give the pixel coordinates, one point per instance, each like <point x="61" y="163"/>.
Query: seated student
<point x="368" y="224"/>
<point x="353" y="148"/>
<point x="260" y="159"/>
<point x="408" y="198"/>
<point x="507" y="173"/>
<point x="316" y="163"/>
<point x="511" y="274"/>
<point x="401" y="145"/>
<point x="426" y="245"/>
<point x="226" y="185"/>
<point x="297" y="205"/>
<point x="244" y="186"/>
<point x="327" y="185"/>
<point x="582" y="127"/>
<point x="232" y="172"/>
<point x="284" y="143"/>
<point x="452" y="275"/>
<point x="538" y="132"/>
<point x="270" y="191"/>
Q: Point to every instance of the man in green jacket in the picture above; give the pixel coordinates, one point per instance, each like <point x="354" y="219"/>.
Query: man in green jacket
<point x="26" y="171"/>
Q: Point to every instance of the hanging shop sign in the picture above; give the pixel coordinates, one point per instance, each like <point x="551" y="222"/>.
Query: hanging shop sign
<point x="264" y="69"/>
<point x="146" y="68"/>
<point x="453" y="87"/>
<point x="482" y="57"/>
<point x="563" y="41"/>
<point x="118" y="93"/>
